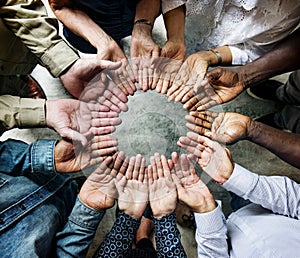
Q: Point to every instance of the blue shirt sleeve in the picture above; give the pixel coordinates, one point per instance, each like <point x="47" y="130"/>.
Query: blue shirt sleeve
<point x="167" y="237"/>
<point x="119" y="240"/>
<point x="18" y="158"/>
<point x="78" y="233"/>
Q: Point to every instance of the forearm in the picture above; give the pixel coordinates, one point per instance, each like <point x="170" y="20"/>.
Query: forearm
<point x="22" y="112"/>
<point x="144" y="12"/>
<point x="119" y="240"/>
<point x="78" y="233"/>
<point x="82" y="25"/>
<point x="175" y="30"/>
<point x="171" y="246"/>
<point x="283" y="144"/>
<point x="29" y="22"/>
<point x="211" y="234"/>
<point x="283" y="58"/>
<point x="277" y="193"/>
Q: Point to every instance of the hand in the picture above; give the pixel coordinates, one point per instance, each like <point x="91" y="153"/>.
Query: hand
<point x="214" y="159"/>
<point x="143" y="52"/>
<point x="191" y="190"/>
<point x="133" y="188"/>
<point x="76" y="120"/>
<point x="71" y="157"/>
<point x="221" y="85"/>
<point x="168" y="65"/>
<point x="226" y="127"/>
<point x="191" y="73"/>
<point x="98" y="191"/>
<point x="162" y="190"/>
<point x="78" y="76"/>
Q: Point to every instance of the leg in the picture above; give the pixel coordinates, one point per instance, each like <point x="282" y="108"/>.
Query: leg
<point x="289" y="93"/>
<point x="288" y="118"/>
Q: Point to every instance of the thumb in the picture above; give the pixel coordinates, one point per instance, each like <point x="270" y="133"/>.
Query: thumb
<point x="73" y="135"/>
<point x="105" y="64"/>
<point x="214" y="74"/>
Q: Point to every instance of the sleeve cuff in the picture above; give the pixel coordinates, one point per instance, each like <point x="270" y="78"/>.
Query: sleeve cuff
<point x="31" y="113"/>
<point x="85" y="216"/>
<point x="241" y="182"/>
<point x="210" y="222"/>
<point x="58" y="58"/>
<point x="239" y="57"/>
<point x="42" y="157"/>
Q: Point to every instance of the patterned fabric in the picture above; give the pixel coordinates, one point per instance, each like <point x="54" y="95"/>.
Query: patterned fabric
<point x="119" y="240"/>
<point x="167" y="237"/>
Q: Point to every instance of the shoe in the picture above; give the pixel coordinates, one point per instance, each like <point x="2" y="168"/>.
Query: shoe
<point x="265" y="90"/>
<point x="185" y="216"/>
<point x="32" y="88"/>
<point x="268" y="119"/>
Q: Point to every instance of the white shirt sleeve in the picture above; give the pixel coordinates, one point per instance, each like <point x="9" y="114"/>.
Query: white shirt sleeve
<point x="279" y="194"/>
<point x="239" y="56"/>
<point x="168" y="5"/>
<point x="211" y="234"/>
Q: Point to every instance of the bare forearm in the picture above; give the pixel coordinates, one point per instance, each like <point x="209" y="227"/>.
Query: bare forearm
<point x="283" y="58"/>
<point x="175" y="30"/>
<point x="82" y="25"/>
<point x="147" y="9"/>
<point x="283" y="144"/>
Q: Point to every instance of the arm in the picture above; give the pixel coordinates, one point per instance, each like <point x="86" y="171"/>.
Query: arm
<point x="82" y="25"/>
<point x="22" y="112"/>
<point x="96" y="195"/>
<point x="210" y="222"/>
<point x="163" y="198"/>
<point x="231" y="127"/>
<point x="279" y="194"/>
<point x="276" y="193"/>
<point x="38" y="32"/>
<point x="132" y="187"/>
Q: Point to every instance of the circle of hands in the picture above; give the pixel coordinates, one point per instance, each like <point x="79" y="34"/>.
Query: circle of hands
<point x="90" y="120"/>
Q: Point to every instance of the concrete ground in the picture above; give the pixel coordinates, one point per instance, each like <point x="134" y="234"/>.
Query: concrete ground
<point x="152" y="124"/>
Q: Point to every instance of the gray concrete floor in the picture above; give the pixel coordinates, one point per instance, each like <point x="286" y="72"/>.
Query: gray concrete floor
<point x="152" y="124"/>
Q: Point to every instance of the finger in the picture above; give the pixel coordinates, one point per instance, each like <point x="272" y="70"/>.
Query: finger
<point x="101" y="122"/>
<point x="104" y="143"/>
<point x="137" y="166"/>
<point x="104" y="152"/>
<point x="102" y="100"/>
<point x="129" y="171"/>
<point x="154" y="168"/>
<point x="142" y="171"/>
<point x="73" y="135"/>
<point x="174" y="156"/>
<point x="159" y="165"/>
<point x="184" y="165"/>
<point x="200" y="119"/>
<point x="115" y="100"/>
<point x="102" y="130"/>
<point x="124" y="166"/>
<point x="165" y="167"/>
<point x="198" y="129"/>
<point x="150" y="174"/>
<point x="119" y="160"/>
<point x="104" y="165"/>
<point x="165" y="84"/>
<point x="110" y="114"/>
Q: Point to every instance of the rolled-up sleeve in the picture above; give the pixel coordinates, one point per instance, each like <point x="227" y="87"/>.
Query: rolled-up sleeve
<point x="22" y="112"/>
<point x="39" y="32"/>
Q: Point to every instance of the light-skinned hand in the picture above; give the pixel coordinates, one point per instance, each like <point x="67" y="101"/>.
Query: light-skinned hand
<point x="133" y="188"/>
<point x="162" y="190"/>
<point x="213" y="158"/>
<point x="191" y="190"/>
<point x="98" y="191"/>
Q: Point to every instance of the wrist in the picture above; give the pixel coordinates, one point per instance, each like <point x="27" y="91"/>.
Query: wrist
<point x="253" y="130"/>
<point x="209" y="206"/>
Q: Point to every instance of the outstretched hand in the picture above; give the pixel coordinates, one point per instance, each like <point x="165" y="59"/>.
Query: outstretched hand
<point x="98" y="191"/>
<point x="133" y="188"/>
<point x="162" y="190"/>
<point x="226" y="127"/>
<point x="214" y="159"/>
<point x="191" y="190"/>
